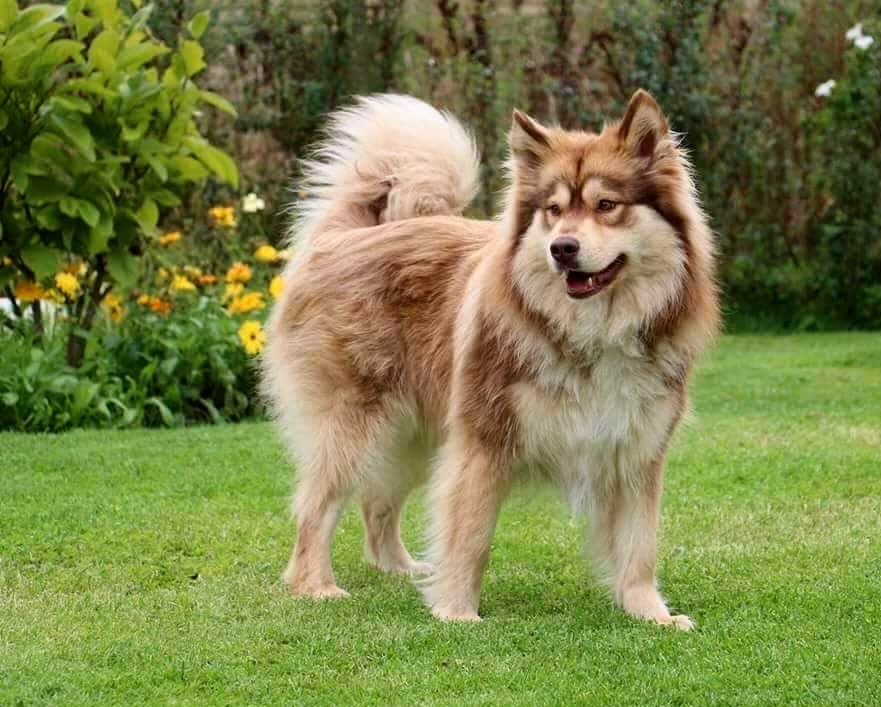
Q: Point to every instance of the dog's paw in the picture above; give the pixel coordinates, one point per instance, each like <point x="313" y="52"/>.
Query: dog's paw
<point x="458" y="615"/>
<point x="679" y="621"/>
<point x="318" y="591"/>
<point x="420" y="569"/>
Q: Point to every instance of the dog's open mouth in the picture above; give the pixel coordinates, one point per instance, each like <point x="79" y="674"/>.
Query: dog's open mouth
<point x="586" y="284"/>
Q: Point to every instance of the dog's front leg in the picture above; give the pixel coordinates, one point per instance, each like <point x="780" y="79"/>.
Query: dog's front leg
<point x="468" y="489"/>
<point x="625" y="530"/>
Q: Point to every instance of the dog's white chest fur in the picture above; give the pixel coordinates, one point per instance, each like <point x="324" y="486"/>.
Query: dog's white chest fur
<point x="608" y="424"/>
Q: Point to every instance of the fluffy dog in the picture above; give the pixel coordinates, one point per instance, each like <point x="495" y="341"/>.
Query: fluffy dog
<point x="553" y="342"/>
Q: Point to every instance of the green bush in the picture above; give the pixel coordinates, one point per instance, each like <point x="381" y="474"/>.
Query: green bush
<point x="99" y="133"/>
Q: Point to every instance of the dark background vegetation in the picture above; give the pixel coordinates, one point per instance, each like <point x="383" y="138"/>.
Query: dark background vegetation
<point x="792" y="181"/>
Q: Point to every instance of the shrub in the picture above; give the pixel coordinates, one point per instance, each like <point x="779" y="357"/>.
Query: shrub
<point x="99" y="132"/>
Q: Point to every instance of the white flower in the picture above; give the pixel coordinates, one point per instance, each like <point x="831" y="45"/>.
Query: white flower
<point x="863" y="42"/>
<point x="252" y="203"/>
<point x="825" y="88"/>
<point x="855" y="32"/>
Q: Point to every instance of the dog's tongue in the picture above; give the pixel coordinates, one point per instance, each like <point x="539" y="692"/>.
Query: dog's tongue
<point x="583" y="284"/>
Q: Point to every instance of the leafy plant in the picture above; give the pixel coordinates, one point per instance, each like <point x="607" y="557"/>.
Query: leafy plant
<point x="99" y="131"/>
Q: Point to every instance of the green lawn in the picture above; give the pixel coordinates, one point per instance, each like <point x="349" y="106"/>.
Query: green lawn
<point x="143" y="567"/>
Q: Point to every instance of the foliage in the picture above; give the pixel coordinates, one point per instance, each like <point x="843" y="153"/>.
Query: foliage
<point x="176" y="349"/>
<point x="99" y="132"/>
<point x="777" y="170"/>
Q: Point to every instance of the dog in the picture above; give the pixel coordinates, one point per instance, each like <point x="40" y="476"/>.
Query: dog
<point x="555" y="341"/>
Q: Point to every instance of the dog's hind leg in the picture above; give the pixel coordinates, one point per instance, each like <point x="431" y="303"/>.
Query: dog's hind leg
<point x="340" y="449"/>
<point x="382" y="500"/>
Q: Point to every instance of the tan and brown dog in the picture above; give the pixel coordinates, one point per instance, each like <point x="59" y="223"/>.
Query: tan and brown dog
<point x="553" y="342"/>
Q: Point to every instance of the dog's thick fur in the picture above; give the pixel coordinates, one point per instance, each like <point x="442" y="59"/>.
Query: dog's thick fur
<point x="405" y="329"/>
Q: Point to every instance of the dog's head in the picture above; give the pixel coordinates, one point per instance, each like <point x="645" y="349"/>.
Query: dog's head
<point x="603" y="224"/>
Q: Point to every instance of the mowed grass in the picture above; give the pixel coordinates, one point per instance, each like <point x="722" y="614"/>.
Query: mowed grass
<point x="143" y="567"/>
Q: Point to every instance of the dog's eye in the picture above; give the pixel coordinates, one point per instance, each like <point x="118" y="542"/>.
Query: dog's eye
<point x="606" y="205"/>
<point x="554" y="209"/>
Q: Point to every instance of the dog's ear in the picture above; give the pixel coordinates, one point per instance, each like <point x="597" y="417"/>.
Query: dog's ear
<point x="529" y="139"/>
<point x="643" y="126"/>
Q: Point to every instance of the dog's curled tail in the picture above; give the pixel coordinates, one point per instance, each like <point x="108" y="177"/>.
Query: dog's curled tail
<point x="386" y="158"/>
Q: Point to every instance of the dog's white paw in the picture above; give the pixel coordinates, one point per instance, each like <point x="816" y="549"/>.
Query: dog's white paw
<point x="420" y="569"/>
<point x="460" y="615"/>
<point x="679" y="621"/>
<point x="318" y="591"/>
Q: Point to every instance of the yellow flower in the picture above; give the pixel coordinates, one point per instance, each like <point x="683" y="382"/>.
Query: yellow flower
<point x="266" y="254"/>
<point x="247" y="302"/>
<point x="163" y="274"/>
<point x="6" y="261"/>
<point x="113" y="307"/>
<point x="233" y="289"/>
<point x="144" y="299"/>
<point x="55" y="296"/>
<point x="169" y="238"/>
<point x="276" y="285"/>
<point x="181" y="283"/>
<point x="68" y="284"/>
<point x="29" y="291"/>
<point x="223" y="215"/>
<point x="252" y="336"/>
<point x="193" y="271"/>
<point x="239" y="272"/>
<point x="207" y="279"/>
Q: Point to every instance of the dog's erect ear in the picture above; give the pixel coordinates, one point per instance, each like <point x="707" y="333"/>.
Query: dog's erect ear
<point x="529" y="139"/>
<point x="643" y="126"/>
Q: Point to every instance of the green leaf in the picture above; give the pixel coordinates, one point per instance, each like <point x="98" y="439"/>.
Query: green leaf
<point x="4" y="119"/>
<point x="190" y="170"/>
<point x="8" y="12"/>
<point x="164" y="412"/>
<point x="84" y="24"/>
<point x="136" y="55"/>
<point x="42" y="260"/>
<point x="102" y="51"/>
<point x="49" y="217"/>
<point x="78" y="133"/>
<point x="99" y="235"/>
<point x="192" y="54"/>
<point x="123" y="267"/>
<point x="148" y="216"/>
<point x="164" y="197"/>
<point x="71" y="103"/>
<point x="157" y="166"/>
<point x="106" y="10"/>
<point x="60" y="51"/>
<point x="199" y="24"/>
<point x="19" y="171"/>
<point x="81" y="209"/>
<point x="89" y="85"/>
<point x="9" y="399"/>
<point x="218" y="101"/>
<point x="36" y="17"/>
<point x="83" y="394"/>
<point x="88" y="212"/>
<point x="216" y="160"/>
<point x="45" y="189"/>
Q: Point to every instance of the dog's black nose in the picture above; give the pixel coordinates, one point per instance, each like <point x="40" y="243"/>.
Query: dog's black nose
<point x="565" y="249"/>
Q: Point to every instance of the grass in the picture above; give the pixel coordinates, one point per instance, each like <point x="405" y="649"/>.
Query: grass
<point x="143" y="567"/>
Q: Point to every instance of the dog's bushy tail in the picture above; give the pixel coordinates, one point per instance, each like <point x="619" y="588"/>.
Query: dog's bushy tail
<point x="386" y="158"/>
